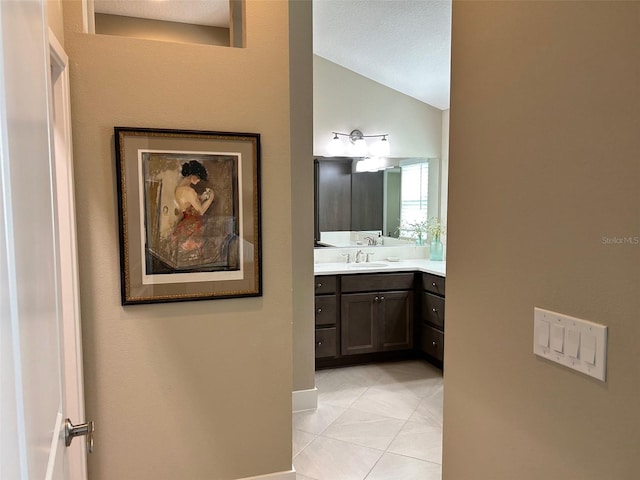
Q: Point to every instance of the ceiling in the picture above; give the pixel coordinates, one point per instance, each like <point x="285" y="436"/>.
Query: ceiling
<point x="402" y="44"/>
<point x="214" y="13"/>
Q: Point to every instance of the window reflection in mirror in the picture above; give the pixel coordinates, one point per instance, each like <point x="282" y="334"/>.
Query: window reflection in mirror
<point x="374" y="207"/>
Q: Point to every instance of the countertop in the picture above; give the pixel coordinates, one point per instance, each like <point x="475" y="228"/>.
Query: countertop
<point x="408" y="265"/>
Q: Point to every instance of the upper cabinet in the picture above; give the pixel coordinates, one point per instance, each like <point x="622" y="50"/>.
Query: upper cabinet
<point x="367" y="191"/>
<point x="332" y="183"/>
<point x="346" y="201"/>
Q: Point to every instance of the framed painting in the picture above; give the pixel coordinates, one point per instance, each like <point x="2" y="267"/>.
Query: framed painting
<point x="189" y="208"/>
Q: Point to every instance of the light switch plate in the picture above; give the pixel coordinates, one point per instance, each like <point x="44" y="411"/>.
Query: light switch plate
<point x="575" y="330"/>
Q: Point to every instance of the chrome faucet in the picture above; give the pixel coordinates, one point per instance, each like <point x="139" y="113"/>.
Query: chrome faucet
<point x="370" y="240"/>
<point x="359" y="255"/>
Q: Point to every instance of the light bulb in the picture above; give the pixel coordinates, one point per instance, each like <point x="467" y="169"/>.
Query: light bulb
<point x="359" y="148"/>
<point x="381" y="148"/>
<point x="335" y="147"/>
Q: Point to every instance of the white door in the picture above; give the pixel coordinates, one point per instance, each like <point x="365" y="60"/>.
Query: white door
<point x="37" y="254"/>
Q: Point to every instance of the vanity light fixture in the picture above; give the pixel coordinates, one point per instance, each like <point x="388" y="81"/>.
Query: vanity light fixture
<point x="357" y="146"/>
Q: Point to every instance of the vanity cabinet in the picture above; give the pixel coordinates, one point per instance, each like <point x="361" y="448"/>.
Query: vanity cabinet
<point x="326" y="318"/>
<point x="376" y="313"/>
<point x="431" y="325"/>
<point x="365" y="317"/>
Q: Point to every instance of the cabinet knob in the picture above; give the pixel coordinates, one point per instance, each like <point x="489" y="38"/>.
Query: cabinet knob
<point x="377" y="299"/>
<point x="319" y="343"/>
<point x="381" y="299"/>
<point x="318" y="285"/>
<point x="319" y="310"/>
<point x="433" y="284"/>
<point x="434" y="310"/>
<point x="434" y="344"/>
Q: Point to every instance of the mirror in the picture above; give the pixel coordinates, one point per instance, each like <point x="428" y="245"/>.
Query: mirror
<point x="354" y="207"/>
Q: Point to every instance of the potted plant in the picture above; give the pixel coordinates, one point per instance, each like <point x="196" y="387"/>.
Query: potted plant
<point x="417" y="230"/>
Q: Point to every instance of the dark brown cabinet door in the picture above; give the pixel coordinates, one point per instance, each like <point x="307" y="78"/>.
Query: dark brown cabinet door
<point x="333" y="196"/>
<point x="432" y="342"/>
<point x="376" y="322"/>
<point x="367" y="200"/>
<point x="395" y="320"/>
<point x="326" y="342"/>
<point x="433" y="310"/>
<point x="325" y="310"/>
<point x="358" y="323"/>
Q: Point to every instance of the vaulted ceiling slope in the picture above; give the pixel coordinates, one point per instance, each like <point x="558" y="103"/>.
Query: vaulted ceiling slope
<point x="402" y="44"/>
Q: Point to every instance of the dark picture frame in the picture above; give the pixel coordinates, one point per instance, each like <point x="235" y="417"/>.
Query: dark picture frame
<point x="189" y="212"/>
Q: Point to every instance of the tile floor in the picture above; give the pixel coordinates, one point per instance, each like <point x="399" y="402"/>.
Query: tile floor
<point x="374" y="422"/>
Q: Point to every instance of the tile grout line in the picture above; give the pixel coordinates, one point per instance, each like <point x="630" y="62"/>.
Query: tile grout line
<point x="384" y="451"/>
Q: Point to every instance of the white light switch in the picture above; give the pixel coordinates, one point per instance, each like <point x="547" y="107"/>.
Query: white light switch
<point x="572" y="343"/>
<point x="588" y="351"/>
<point x="557" y="337"/>
<point x="575" y="343"/>
<point x="542" y="333"/>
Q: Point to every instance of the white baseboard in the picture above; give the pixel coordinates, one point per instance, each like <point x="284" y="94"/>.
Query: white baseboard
<point x="304" y="399"/>
<point x="288" y="475"/>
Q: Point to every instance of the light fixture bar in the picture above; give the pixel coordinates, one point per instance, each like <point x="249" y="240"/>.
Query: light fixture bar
<point x="359" y="147"/>
<point x="357" y="134"/>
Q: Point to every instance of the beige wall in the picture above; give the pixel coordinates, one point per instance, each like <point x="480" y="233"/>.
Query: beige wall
<point x="54" y="19"/>
<point x="344" y="100"/>
<point x="301" y="94"/>
<point x="544" y="163"/>
<point x="194" y="390"/>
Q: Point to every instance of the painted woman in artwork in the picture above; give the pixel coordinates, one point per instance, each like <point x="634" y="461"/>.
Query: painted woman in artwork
<point x="187" y="235"/>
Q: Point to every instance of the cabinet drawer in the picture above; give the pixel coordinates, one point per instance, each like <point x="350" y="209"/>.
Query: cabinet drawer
<point x="377" y="282"/>
<point x="433" y="283"/>
<point x="433" y="309"/>
<point x="325" y="284"/>
<point x="325" y="342"/>
<point x="432" y="342"/>
<point x="325" y="310"/>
